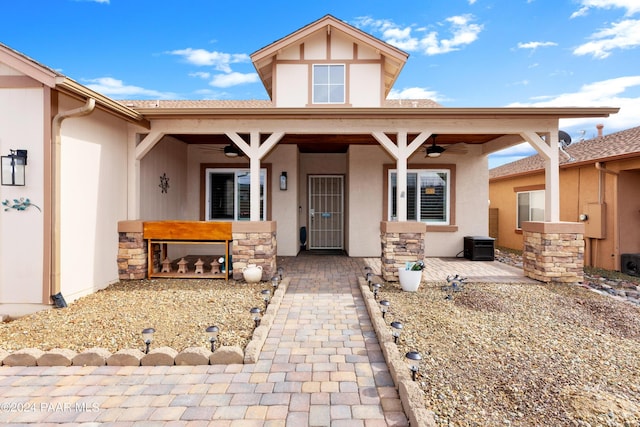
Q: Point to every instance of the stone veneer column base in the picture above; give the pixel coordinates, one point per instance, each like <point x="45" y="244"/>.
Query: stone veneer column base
<point x="553" y="251"/>
<point x="254" y="243"/>
<point x="132" y="251"/>
<point x="401" y="242"/>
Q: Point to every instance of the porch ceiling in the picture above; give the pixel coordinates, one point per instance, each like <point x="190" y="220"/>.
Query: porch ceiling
<point x="335" y="143"/>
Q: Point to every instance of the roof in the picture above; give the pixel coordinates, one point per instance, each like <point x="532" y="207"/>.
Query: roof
<point x="394" y="58"/>
<point x="614" y="146"/>
<point x="53" y="79"/>
<point x="255" y="103"/>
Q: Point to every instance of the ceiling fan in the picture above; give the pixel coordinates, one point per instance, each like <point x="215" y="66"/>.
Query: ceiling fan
<point x="434" y="150"/>
<point x="229" y="150"/>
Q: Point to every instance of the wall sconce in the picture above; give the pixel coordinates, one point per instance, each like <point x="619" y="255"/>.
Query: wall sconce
<point x="283" y="181"/>
<point x="13" y="167"/>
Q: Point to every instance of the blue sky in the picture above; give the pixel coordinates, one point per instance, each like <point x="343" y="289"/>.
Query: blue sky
<point x="463" y="53"/>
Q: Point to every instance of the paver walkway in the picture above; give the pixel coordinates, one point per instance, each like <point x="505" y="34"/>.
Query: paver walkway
<point x="321" y="365"/>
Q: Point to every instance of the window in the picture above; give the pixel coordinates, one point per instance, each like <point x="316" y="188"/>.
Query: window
<point x="428" y="196"/>
<point x="530" y="207"/>
<point x="328" y="84"/>
<point x="228" y="195"/>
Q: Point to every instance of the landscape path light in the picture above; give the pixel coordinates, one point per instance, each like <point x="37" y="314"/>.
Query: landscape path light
<point x="147" y="338"/>
<point x="280" y="272"/>
<point x="414" y="362"/>
<point x="274" y="282"/>
<point x="376" y="289"/>
<point x="266" y="294"/>
<point x="397" y="330"/>
<point x="384" y="307"/>
<point x="255" y="315"/>
<point x="212" y="333"/>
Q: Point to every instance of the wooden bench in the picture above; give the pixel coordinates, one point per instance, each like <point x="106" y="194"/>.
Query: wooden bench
<point x="186" y="233"/>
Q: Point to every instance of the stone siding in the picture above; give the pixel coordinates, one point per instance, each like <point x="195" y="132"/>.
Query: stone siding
<point x="254" y="245"/>
<point x="132" y="251"/>
<point x="553" y="252"/>
<point x="401" y="242"/>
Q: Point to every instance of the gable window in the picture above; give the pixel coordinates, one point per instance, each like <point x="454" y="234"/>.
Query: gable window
<point x="228" y="195"/>
<point x="329" y="84"/>
<point x="428" y="196"/>
<point x="530" y="207"/>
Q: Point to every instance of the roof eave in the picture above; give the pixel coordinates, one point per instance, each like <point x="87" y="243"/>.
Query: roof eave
<point x="74" y="88"/>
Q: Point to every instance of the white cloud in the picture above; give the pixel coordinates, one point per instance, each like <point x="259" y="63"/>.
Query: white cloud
<point x="605" y="93"/>
<point x="461" y="28"/>
<point x="219" y="60"/>
<point x="621" y="35"/>
<point x="535" y="45"/>
<point x="632" y="6"/>
<point x="117" y="89"/>
<point x="233" y="79"/>
<point x="200" y="74"/>
<point x="414" y="93"/>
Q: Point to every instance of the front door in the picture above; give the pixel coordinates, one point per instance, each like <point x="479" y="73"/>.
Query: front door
<point x="326" y="212"/>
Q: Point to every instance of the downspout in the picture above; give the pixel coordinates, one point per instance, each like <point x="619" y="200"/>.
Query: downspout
<point x="56" y="187"/>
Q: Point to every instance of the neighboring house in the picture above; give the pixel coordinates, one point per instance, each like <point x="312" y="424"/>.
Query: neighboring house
<point x="599" y="185"/>
<point x="328" y="154"/>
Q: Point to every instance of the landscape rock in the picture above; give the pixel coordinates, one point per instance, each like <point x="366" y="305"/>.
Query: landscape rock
<point x="193" y="356"/>
<point x="126" y="357"/>
<point x="226" y="355"/>
<point x="161" y="356"/>
<point x="23" y="357"/>
<point x="92" y="357"/>
<point x="57" y="357"/>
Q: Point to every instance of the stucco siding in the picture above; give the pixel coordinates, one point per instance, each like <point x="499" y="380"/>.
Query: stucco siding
<point x="290" y="78"/>
<point x="93" y="199"/>
<point x="364" y="86"/>
<point x="22" y="244"/>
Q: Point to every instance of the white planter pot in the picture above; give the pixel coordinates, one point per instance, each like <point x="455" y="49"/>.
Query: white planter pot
<point x="409" y="279"/>
<point x="252" y="273"/>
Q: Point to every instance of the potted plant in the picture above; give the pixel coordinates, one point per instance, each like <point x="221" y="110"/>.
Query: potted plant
<point x="410" y="276"/>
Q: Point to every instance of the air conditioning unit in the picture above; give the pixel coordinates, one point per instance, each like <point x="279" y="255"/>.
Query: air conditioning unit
<point x="478" y="248"/>
<point x="630" y="264"/>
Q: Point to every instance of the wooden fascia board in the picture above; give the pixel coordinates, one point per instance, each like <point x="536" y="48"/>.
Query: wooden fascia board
<point x="27" y="66"/>
<point x="433" y="112"/>
<point x="72" y="88"/>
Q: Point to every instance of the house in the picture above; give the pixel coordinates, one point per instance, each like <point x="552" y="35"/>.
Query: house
<point x="599" y="185"/>
<point x="327" y="163"/>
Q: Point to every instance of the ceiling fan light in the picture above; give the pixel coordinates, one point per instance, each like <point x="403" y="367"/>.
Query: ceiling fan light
<point x="231" y="151"/>
<point x="434" y="151"/>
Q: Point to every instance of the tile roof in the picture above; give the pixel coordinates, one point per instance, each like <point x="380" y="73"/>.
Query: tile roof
<point x="625" y="143"/>
<point x="256" y="103"/>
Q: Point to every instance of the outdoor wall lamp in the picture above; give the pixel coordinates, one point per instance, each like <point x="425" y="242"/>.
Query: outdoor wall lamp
<point x="283" y="181"/>
<point x="413" y="357"/>
<point x="13" y="167"/>
<point x="255" y="316"/>
<point x="280" y="272"/>
<point x="266" y="293"/>
<point x="212" y="333"/>
<point x="376" y="289"/>
<point x="147" y="338"/>
<point x="384" y="307"/>
<point x="397" y="330"/>
<point x="274" y="282"/>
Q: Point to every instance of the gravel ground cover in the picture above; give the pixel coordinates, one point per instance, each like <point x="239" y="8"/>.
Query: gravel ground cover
<point x="113" y="318"/>
<point x="522" y="354"/>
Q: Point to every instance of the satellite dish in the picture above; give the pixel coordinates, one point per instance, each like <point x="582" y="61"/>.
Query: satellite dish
<point x="564" y="138"/>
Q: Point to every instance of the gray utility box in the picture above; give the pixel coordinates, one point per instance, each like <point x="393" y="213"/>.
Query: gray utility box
<point x="478" y="248"/>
